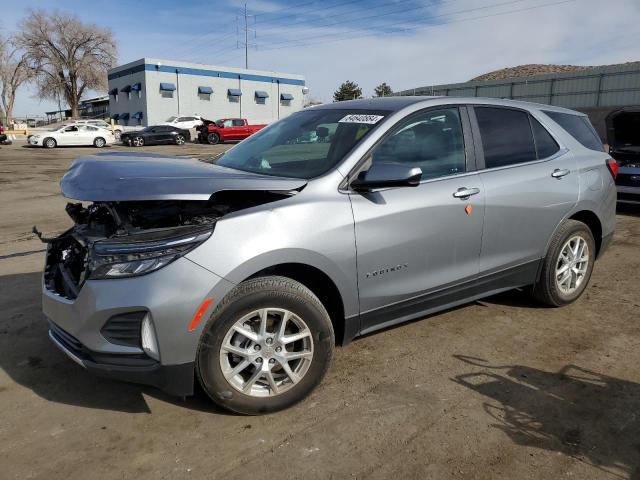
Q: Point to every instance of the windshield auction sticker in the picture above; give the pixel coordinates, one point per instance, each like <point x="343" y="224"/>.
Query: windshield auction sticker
<point x="356" y="118"/>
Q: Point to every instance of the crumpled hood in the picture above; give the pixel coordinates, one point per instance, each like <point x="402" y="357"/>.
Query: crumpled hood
<point x="112" y="177"/>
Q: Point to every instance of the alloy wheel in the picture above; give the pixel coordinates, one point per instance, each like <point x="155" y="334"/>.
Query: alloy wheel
<point x="266" y="352"/>
<point x="138" y="142"/>
<point x="179" y="140"/>
<point x="572" y="264"/>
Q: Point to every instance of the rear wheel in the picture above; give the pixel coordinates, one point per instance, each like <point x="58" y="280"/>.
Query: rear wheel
<point x="137" y="141"/>
<point x="49" y="143"/>
<point x="213" y="138"/>
<point x="179" y="139"/>
<point x="568" y="265"/>
<point x="99" y="142"/>
<point x="266" y="346"/>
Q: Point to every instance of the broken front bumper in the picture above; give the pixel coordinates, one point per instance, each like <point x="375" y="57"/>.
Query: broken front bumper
<point x="171" y="296"/>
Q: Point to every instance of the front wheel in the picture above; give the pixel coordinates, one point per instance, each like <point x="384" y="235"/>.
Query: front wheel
<point x="49" y="143"/>
<point x="180" y="140"/>
<point x="213" y="138"/>
<point x="138" y="141"/>
<point x="567" y="268"/>
<point x="266" y="346"/>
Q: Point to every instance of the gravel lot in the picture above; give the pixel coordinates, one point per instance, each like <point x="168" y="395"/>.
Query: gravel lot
<point x="496" y="389"/>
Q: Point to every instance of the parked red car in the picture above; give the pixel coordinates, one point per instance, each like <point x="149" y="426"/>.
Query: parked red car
<point x="226" y="129"/>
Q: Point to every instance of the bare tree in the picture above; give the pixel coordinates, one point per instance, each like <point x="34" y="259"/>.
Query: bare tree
<point x="14" y="71"/>
<point x="69" y="57"/>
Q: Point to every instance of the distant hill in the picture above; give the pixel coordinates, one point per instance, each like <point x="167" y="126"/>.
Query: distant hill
<point x="530" y="70"/>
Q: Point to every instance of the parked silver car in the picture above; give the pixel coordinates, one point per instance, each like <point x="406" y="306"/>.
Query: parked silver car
<point x="245" y="274"/>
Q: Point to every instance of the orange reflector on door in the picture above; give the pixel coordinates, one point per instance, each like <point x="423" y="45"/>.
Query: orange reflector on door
<point x="195" y="321"/>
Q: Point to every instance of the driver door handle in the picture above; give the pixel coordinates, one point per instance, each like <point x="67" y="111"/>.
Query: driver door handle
<point x="465" y="192"/>
<point x="559" y="173"/>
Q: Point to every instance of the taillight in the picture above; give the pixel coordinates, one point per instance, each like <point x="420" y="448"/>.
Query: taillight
<point x="613" y="167"/>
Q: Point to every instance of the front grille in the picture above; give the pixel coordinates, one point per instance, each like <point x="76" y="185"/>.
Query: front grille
<point x="124" y="329"/>
<point x="66" y="266"/>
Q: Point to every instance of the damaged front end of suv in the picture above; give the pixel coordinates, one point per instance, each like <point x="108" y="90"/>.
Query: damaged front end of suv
<point x="137" y="216"/>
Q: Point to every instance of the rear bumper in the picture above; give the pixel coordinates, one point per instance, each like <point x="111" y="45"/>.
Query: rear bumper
<point x="172" y="379"/>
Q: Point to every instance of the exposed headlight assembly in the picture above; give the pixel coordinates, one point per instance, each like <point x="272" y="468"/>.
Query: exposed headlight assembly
<point x="141" y="254"/>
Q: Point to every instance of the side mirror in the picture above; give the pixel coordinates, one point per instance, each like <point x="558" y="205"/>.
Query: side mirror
<point x="385" y="175"/>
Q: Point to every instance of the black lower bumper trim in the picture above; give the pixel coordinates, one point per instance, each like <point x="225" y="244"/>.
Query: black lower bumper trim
<point x="172" y="379"/>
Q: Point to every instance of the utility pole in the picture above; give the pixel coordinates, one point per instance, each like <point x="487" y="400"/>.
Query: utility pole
<point x="246" y="43"/>
<point x="246" y="39"/>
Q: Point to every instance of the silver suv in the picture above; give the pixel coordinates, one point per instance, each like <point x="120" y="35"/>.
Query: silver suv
<point x="334" y="222"/>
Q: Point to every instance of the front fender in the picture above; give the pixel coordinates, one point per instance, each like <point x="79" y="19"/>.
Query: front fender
<point x="317" y="234"/>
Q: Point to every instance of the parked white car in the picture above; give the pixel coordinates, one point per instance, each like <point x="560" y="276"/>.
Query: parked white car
<point x="117" y="129"/>
<point x="67" y="135"/>
<point x="184" y="122"/>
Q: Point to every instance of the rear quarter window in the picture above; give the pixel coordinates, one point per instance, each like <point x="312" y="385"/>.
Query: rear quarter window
<point x="578" y="127"/>
<point x="546" y="146"/>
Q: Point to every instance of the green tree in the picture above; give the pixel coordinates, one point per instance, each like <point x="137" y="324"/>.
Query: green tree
<point x="348" y="91"/>
<point x="383" y="90"/>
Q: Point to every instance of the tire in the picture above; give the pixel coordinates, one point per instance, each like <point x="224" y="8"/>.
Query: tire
<point x="99" y="142"/>
<point x="243" y="306"/>
<point x="49" y="143"/>
<point x="117" y="134"/>
<point x="180" y="140"/>
<point x="137" y="142"/>
<point x="549" y="288"/>
<point x="213" y="138"/>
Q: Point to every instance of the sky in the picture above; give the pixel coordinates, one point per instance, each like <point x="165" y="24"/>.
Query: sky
<point x="405" y="43"/>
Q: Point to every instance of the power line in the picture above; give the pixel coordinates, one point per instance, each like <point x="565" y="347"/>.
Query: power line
<point x="342" y="14"/>
<point x="202" y="36"/>
<point x="425" y="27"/>
<point x="510" y="2"/>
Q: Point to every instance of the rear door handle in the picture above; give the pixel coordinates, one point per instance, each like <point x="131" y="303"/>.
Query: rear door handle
<point x="559" y="173"/>
<point x="465" y="192"/>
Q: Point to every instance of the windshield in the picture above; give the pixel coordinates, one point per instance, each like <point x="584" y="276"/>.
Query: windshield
<point x="305" y="144"/>
<point x="171" y="119"/>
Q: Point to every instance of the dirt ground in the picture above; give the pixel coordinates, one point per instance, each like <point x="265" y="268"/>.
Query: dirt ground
<point x="498" y="389"/>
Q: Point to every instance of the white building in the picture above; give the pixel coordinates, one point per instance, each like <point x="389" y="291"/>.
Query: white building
<point x="149" y="91"/>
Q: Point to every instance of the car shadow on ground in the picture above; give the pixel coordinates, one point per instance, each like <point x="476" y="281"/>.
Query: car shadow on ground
<point x="31" y="360"/>
<point x="592" y="417"/>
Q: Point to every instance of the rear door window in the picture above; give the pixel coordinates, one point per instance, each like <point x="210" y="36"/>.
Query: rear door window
<point x="579" y="128"/>
<point x="238" y="123"/>
<point x="506" y="135"/>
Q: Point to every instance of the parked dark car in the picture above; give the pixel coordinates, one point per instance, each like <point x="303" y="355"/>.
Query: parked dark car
<point x="156" y="135"/>
<point x="628" y="179"/>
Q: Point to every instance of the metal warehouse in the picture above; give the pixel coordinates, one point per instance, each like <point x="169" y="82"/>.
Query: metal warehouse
<point x="149" y="91"/>
<point x="609" y="94"/>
